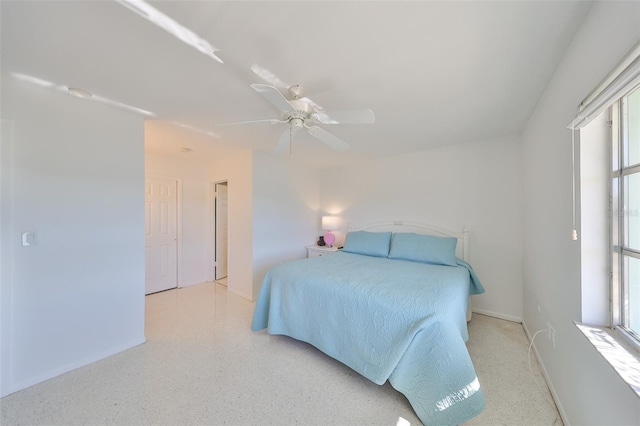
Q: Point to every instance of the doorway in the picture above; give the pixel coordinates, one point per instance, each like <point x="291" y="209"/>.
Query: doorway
<point x="221" y="230"/>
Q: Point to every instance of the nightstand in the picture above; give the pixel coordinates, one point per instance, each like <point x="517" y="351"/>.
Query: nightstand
<point x="315" y="251"/>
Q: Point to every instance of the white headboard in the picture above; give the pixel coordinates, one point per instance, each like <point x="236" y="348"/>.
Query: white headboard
<point x="462" y="248"/>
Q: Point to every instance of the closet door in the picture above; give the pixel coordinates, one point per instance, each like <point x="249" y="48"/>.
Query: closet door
<point x="161" y="234"/>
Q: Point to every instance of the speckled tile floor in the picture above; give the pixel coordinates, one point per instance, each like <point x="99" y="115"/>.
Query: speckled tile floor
<point x="201" y="365"/>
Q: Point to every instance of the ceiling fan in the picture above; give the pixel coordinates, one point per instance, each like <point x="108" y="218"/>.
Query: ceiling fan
<point x="299" y="113"/>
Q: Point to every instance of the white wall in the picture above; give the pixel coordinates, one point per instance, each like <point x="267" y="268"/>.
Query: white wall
<point x="476" y="184"/>
<point x="237" y="170"/>
<point x="273" y="214"/>
<point x="77" y="172"/>
<point x="586" y="388"/>
<point x="194" y="235"/>
<point x="286" y="212"/>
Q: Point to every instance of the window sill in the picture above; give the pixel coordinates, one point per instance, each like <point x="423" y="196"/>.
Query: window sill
<point x="624" y="360"/>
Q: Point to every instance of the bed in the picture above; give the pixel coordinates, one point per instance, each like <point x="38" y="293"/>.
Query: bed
<point x="392" y="305"/>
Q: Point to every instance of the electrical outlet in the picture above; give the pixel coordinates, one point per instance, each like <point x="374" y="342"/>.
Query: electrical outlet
<point x="552" y="334"/>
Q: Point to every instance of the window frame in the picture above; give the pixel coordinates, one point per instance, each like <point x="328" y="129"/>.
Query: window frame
<point x="618" y="226"/>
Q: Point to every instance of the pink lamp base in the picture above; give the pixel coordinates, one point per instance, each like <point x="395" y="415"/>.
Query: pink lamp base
<point x="329" y="238"/>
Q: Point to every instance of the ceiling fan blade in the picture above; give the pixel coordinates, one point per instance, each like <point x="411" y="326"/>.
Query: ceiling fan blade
<point x="274" y="96"/>
<point x="364" y="116"/>
<point x="268" y="76"/>
<point x="327" y="138"/>
<point x="316" y="107"/>
<point x="273" y="79"/>
<point x="195" y="129"/>
<point x="253" y="122"/>
<point x="316" y="86"/>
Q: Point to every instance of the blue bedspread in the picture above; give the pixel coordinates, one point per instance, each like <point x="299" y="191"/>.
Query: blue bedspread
<point x="387" y="319"/>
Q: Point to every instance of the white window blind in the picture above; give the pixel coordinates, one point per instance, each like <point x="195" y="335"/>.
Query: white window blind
<point x="624" y="77"/>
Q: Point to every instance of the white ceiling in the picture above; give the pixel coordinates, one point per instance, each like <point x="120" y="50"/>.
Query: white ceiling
<point x="434" y="73"/>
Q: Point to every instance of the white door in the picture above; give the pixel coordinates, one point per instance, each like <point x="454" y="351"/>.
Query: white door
<point x="222" y="232"/>
<point x="161" y="234"/>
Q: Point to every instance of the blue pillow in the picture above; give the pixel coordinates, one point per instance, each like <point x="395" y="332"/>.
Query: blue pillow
<point x="424" y="248"/>
<point x="368" y="243"/>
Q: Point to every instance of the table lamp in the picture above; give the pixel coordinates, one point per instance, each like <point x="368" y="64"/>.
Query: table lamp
<point x="329" y="223"/>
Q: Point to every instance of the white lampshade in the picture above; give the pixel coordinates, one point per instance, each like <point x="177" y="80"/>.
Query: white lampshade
<point x="329" y="223"/>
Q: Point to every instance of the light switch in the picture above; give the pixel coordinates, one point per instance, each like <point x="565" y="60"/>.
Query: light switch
<point x="29" y="239"/>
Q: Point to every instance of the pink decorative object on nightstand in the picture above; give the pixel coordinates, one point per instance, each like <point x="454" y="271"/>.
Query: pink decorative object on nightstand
<point x="329" y="223"/>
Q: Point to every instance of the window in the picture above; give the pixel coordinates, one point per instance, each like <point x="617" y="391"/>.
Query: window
<point x="625" y="215"/>
<point x="617" y="314"/>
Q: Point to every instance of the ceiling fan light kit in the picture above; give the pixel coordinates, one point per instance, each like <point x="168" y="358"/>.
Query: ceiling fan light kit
<point x="300" y="113"/>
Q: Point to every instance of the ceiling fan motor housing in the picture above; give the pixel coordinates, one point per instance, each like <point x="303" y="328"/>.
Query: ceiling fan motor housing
<point x="302" y="112"/>
<point x="302" y="107"/>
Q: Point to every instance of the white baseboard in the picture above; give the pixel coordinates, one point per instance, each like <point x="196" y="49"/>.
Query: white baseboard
<point x="497" y="315"/>
<point x="189" y="284"/>
<point x="71" y="366"/>
<point x="238" y="293"/>
<point x="554" y="395"/>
